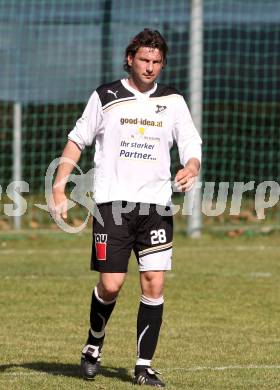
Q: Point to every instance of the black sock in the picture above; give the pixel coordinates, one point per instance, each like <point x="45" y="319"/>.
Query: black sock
<point x="99" y="316"/>
<point x="148" y="326"/>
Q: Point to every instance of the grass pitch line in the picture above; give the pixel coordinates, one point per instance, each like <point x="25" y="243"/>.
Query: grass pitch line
<point x="195" y="249"/>
<point x="233" y="248"/>
<point x="43" y="251"/>
<point x="224" y="368"/>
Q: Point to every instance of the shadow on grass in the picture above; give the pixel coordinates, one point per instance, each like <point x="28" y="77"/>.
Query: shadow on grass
<point x="68" y="370"/>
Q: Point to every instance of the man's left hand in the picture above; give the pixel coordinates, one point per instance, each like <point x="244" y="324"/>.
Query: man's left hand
<point x="185" y="177"/>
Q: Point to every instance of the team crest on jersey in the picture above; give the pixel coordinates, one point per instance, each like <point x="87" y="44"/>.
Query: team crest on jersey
<point x="100" y="246"/>
<point x="160" y="109"/>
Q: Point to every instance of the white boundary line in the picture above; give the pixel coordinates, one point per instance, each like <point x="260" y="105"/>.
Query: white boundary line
<point x="190" y="249"/>
<point x="224" y="368"/>
<point x="44" y="251"/>
<point x="186" y="369"/>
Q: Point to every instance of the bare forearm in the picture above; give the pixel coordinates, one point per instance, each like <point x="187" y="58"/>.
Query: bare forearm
<point x="70" y="156"/>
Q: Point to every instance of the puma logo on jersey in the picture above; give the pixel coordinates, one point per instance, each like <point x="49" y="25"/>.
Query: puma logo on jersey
<point x="113" y="93"/>
<point x="160" y="109"/>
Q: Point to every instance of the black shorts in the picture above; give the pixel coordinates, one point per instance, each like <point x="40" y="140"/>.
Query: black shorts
<point x="147" y="229"/>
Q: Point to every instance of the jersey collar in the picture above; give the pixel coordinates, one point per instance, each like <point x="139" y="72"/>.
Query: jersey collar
<point x="138" y="93"/>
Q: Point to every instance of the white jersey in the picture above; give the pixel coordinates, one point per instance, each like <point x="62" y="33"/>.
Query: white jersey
<point x="133" y="134"/>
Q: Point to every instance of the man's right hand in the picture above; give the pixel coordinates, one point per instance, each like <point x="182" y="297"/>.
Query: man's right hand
<point x="58" y="205"/>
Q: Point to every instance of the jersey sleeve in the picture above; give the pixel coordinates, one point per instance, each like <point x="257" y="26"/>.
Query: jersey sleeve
<point x="88" y="125"/>
<point x="186" y="134"/>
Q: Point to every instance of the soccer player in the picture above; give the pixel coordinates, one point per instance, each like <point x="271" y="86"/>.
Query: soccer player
<point x="133" y="123"/>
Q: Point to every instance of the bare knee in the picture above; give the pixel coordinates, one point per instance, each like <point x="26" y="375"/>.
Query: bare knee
<point x="107" y="292"/>
<point x="152" y="283"/>
<point x="109" y="285"/>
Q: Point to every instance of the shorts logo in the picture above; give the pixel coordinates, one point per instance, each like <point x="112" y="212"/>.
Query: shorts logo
<point x="100" y="246"/>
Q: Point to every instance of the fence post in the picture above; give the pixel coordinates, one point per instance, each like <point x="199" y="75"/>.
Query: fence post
<point x="17" y="145"/>
<point x="196" y="98"/>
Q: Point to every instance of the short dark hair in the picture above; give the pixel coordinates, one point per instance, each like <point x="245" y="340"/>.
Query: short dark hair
<point x="146" y="38"/>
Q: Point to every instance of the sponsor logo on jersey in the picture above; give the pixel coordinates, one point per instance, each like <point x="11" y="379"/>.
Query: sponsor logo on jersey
<point x="113" y="93"/>
<point x="160" y="109"/>
<point x="141" y="130"/>
<point x="140" y="121"/>
<point x="101" y="246"/>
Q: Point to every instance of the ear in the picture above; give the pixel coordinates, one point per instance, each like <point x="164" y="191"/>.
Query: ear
<point x="129" y="60"/>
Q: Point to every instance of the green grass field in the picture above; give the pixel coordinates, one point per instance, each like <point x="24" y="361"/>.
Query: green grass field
<point x="221" y="325"/>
